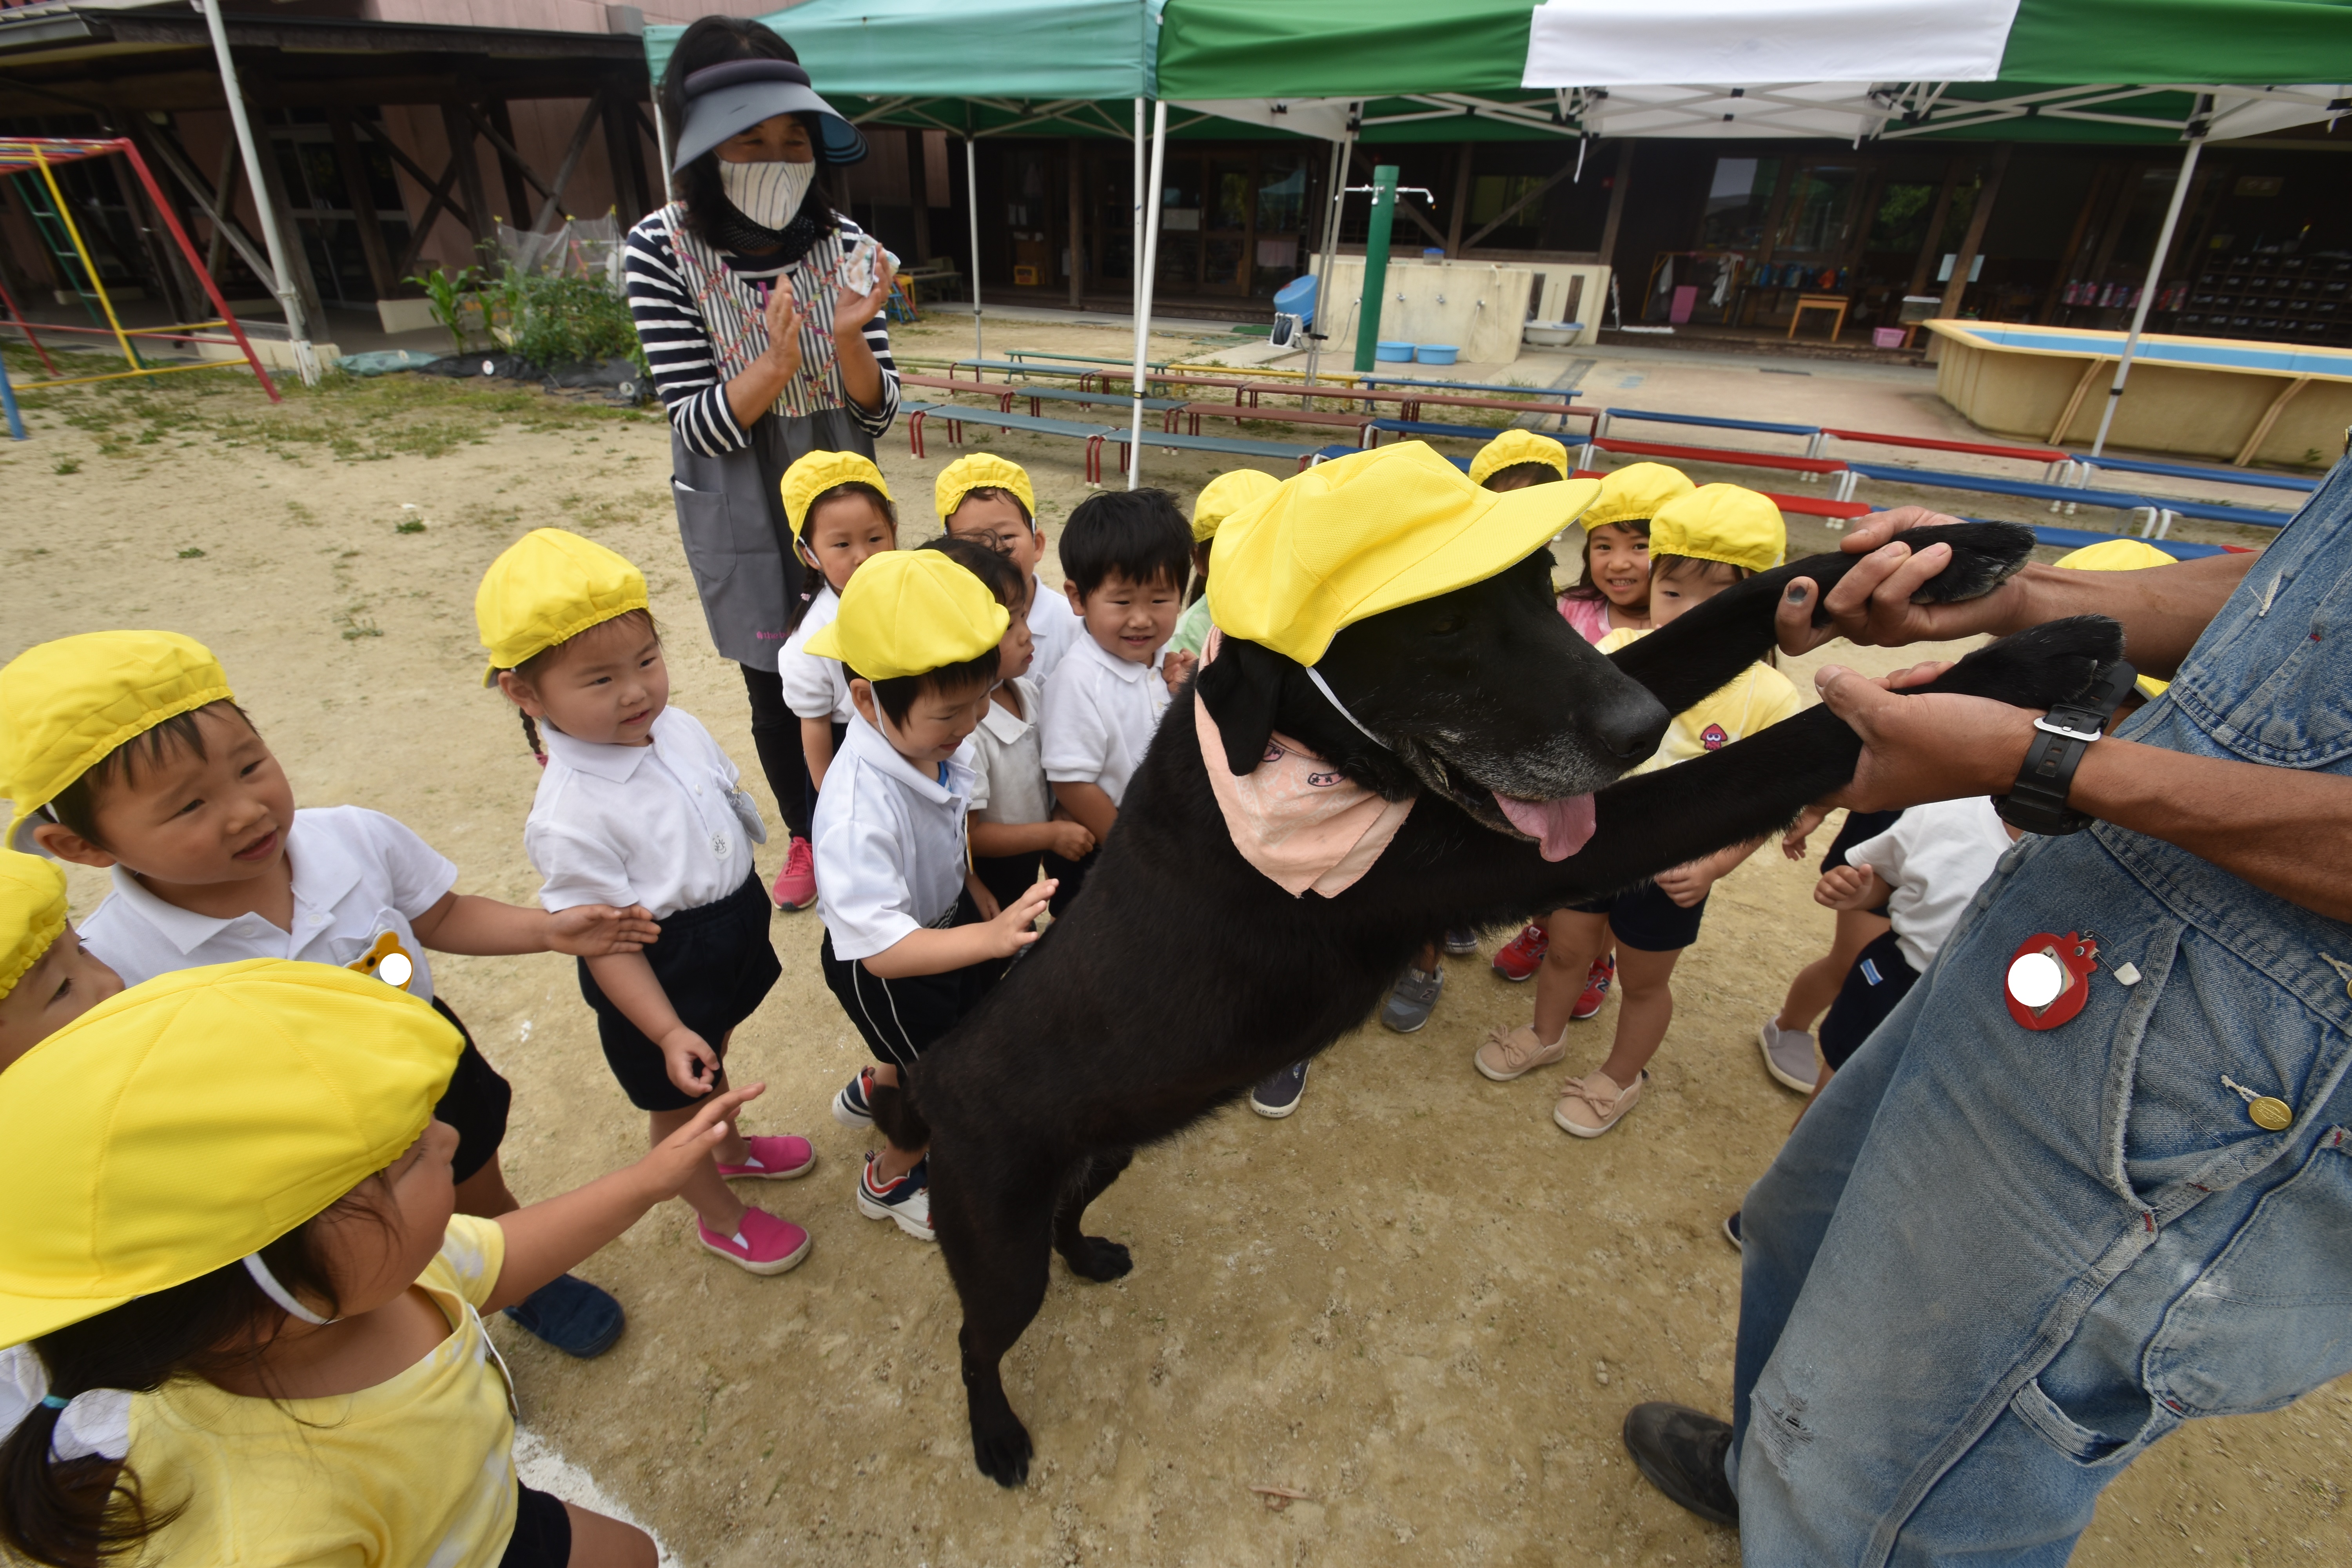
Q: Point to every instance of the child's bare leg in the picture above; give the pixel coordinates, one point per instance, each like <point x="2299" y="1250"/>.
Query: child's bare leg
<point x="1818" y="984"/>
<point x="1576" y="939"/>
<point x="1645" y="1005"/>
<point x="484" y="1193"/>
<point x="706" y="1190"/>
<point x="601" y="1541"/>
<point x="893" y="1161"/>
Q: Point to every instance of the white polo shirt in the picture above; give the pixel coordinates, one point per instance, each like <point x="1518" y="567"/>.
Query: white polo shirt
<point x="814" y="687"/>
<point x="1098" y="715"/>
<point x="663" y="825"/>
<point x="1054" y="627"/>
<point x="891" y="855"/>
<point x="1008" y="768"/>
<point x="1934" y="859"/>
<point x="358" y="874"/>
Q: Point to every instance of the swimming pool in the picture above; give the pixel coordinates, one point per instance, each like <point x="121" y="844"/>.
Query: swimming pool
<point x="2217" y="353"/>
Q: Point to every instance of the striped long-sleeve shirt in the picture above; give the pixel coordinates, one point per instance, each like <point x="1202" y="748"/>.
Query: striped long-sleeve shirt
<point x="678" y="346"/>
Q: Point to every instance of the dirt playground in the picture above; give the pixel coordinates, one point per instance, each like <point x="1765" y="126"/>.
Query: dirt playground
<point x="1415" y="1302"/>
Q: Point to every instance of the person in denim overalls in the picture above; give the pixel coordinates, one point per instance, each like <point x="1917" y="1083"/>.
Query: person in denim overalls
<point x="1993" y="1265"/>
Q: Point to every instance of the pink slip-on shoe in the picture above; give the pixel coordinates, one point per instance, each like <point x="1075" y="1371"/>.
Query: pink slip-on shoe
<point x="795" y="886"/>
<point x="763" y="1243"/>
<point x="773" y="1160"/>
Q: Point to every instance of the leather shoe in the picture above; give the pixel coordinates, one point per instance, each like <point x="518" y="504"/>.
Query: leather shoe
<point x="1680" y="1451"/>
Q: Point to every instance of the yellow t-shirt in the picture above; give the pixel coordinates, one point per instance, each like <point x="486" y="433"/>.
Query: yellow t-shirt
<point x="1759" y="696"/>
<point x="417" y="1469"/>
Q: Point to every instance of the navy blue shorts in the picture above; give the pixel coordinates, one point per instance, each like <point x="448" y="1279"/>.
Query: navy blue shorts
<point x="542" y="1533"/>
<point x="475" y="1103"/>
<point x="715" y="965"/>
<point x="1879" y="979"/>
<point x="1646" y="921"/>
<point x="901" y="1019"/>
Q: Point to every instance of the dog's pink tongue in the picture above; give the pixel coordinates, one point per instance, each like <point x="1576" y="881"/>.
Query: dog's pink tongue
<point x="1561" y="826"/>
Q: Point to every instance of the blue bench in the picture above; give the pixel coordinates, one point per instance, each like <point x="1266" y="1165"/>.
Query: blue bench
<point x="2075" y="538"/>
<point x="956" y="415"/>
<point x="1423" y="427"/>
<point x="1101" y="399"/>
<point x="1010" y="367"/>
<point x="2168" y="507"/>
<point x="1563" y="394"/>
<point x="1231" y="445"/>
<point x="2192" y="471"/>
<point x="1985" y="484"/>
<point x="1766" y="425"/>
<point x="1324" y="454"/>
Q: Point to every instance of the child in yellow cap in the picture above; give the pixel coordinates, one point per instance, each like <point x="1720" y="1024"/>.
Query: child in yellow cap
<point x="912" y="938"/>
<point x="126" y="750"/>
<point x="1702" y="544"/>
<point x="1219" y="500"/>
<point x="990" y="501"/>
<point x="234" y="1287"/>
<point x="639" y="803"/>
<point x="841" y="515"/>
<point x="47" y="978"/>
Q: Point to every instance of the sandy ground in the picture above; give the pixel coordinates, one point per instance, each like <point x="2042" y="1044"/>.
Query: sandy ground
<point x="1415" y="1302"/>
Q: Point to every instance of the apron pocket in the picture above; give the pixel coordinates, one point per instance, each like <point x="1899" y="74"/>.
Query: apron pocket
<point x="708" y="532"/>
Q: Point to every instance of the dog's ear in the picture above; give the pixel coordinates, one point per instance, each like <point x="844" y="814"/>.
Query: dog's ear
<point x="1243" y="686"/>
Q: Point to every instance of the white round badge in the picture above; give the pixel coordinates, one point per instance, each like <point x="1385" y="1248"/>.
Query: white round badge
<point x="395" y="970"/>
<point x="2035" y="979"/>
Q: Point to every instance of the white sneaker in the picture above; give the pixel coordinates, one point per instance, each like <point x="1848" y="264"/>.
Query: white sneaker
<point x="906" y="1200"/>
<point x="1789" y="1057"/>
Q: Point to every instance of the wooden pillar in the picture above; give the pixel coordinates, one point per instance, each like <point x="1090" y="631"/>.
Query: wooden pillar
<point x="1956" y="287"/>
<point x="2068" y="258"/>
<point x="1925" y="266"/>
<point x="297" y="254"/>
<point x="1461" y="202"/>
<point x="1077" y="227"/>
<point x="622" y="155"/>
<point x="459" y="129"/>
<point x="2127" y="192"/>
<point x="360" y="191"/>
<point x="1610" y="224"/>
<point x="519" y="206"/>
<point x="919" y="192"/>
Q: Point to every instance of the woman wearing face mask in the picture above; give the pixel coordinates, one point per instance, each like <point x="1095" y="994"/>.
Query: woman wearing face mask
<point x="760" y="311"/>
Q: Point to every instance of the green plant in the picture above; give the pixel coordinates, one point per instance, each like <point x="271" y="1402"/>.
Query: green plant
<point x="67" y="466"/>
<point x="451" y="296"/>
<point x="562" y="321"/>
<point x="191" y="553"/>
<point x="410" y="526"/>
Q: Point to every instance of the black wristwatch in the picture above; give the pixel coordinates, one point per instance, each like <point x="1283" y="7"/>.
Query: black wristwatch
<point x="2036" y="803"/>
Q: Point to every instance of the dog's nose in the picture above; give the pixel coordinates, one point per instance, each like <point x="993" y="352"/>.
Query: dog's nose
<point x="1629" y="722"/>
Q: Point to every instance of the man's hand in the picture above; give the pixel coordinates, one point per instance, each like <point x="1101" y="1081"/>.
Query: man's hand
<point x="1872" y="605"/>
<point x="692" y="1065"/>
<point x="593" y="931"/>
<point x="1850" y="887"/>
<point x="1934" y="745"/>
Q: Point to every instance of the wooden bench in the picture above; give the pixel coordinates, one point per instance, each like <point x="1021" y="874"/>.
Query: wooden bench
<point x="956" y="418"/>
<point x="1193" y="413"/>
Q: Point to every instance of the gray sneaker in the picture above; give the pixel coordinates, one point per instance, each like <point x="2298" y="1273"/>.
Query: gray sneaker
<point x="1278" y="1096"/>
<point x="1411" y="998"/>
<point x="1461" y="941"/>
<point x="1789" y="1057"/>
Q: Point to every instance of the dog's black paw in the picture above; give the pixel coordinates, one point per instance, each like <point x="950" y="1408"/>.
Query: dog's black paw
<point x="2039" y="667"/>
<point x="1098" y="1258"/>
<point x="1984" y="556"/>
<point x="1002" y="1449"/>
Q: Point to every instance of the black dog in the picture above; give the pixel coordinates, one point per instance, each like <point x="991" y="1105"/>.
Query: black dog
<point x="1098" y="1042"/>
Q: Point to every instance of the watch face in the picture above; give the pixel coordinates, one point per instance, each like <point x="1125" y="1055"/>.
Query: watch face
<point x="2049" y="978"/>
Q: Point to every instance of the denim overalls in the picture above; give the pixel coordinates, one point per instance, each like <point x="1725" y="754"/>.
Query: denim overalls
<point x="1992" y="1264"/>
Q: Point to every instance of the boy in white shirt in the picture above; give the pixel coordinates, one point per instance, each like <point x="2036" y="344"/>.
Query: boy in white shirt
<point x="988" y="499"/>
<point x="911" y="937"/>
<point x="1124" y="555"/>
<point x="126" y="750"/>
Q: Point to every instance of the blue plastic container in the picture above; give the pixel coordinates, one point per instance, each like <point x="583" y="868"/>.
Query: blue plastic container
<point x="1392" y="353"/>
<point x="1436" y="353"/>
<point x="1296" y="298"/>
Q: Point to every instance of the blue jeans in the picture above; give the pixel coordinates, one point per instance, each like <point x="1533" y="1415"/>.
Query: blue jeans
<point x="1993" y="1265"/>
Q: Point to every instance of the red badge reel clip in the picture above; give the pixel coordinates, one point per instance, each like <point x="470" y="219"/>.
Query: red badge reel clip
<point x="2049" y="978"/>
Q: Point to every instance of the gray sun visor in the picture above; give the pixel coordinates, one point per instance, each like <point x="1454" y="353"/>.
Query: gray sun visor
<point x="731" y="97"/>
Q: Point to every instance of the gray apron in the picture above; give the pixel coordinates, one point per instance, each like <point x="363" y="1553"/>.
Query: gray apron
<point x="730" y="516"/>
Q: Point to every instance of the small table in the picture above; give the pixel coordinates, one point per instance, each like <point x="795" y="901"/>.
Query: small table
<point x="1820" y="302"/>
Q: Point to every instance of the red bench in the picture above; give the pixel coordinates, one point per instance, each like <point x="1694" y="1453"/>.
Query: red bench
<point x="1841" y="512"/>
<point x="1735" y="456"/>
<point x="2050" y="457"/>
<point x="1196" y="412"/>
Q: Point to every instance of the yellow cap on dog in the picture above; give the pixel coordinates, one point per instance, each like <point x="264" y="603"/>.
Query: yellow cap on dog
<point x="1368" y="533"/>
<point x="982" y="472"/>
<point x="1511" y="448"/>
<point x="1226" y="495"/>
<point x="545" y="589"/>
<point x="184" y="1123"/>
<point x="66" y="705"/>
<point x="909" y="611"/>
<point x="817" y="472"/>
<point x="1634" y="493"/>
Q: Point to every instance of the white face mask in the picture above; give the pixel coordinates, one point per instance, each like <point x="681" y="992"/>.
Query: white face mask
<point x="769" y="194"/>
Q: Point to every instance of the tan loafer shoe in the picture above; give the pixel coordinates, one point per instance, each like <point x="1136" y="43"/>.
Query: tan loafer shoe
<point x="1515" y="1053"/>
<point x="1592" y="1104"/>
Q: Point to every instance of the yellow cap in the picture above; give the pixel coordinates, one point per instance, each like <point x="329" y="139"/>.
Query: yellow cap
<point x="64" y="705"/>
<point x="817" y="472"/>
<point x="2121" y="555"/>
<point x="1721" y="522"/>
<point x="1634" y="493"/>
<point x="978" y="471"/>
<point x="31" y="913"/>
<point x="1226" y="495"/>
<point x="1511" y="448"/>
<point x="546" y="589"/>
<point x="909" y="611"/>
<point x="174" y="1129"/>
<point x="1368" y="533"/>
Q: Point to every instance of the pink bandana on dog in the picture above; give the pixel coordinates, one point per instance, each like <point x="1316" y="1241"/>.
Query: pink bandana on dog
<point x="1293" y="816"/>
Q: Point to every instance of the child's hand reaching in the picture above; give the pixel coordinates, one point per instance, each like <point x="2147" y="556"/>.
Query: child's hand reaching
<point x="1792" y="842"/>
<point x="1686" y="885"/>
<point x="674" y="1160"/>
<point x="1070" y="839"/>
<point x="593" y="931"/>
<point x="1851" y="888"/>
<point x="1176" y="664"/>
<point x="1014" y="929"/>
<point x="693" y="1066"/>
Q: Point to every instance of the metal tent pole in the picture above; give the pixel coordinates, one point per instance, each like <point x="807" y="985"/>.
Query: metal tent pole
<point x="972" y="202"/>
<point x="2155" y="277"/>
<point x="305" y="359"/>
<point x="1135" y="247"/>
<point x="1341" y="151"/>
<point x="1143" y="289"/>
<point x="1376" y="264"/>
